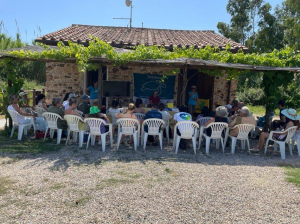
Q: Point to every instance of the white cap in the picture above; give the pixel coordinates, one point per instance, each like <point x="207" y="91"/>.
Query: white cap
<point x="229" y="106"/>
<point x="72" y="95"/>
<point x="22" y="93"/>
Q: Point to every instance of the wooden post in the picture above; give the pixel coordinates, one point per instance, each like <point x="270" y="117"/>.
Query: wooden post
<point x="100" y="84"/>
<point x="184" y="85"/>
<point x="10" y="124"/>
<point x="33" y="97"/>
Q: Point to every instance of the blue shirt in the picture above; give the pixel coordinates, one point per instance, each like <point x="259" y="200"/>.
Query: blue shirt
<point x="93" y="92"/>
<point x="191" y="98"/>
<point x="153" y="114"/>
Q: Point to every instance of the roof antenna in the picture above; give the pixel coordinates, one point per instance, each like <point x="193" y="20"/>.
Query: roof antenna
<point x="142" y="25"/>
<point x="128" y="4"/>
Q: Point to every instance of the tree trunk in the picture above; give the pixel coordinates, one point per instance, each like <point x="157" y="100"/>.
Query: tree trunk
<point x="10" y="124"/>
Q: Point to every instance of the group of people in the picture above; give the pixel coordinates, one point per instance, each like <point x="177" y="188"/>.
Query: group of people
<point x="233" y="114"/>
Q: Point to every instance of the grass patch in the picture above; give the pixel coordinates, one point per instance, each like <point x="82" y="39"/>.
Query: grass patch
<point x="5" y="184"/>
<point x="293" y="174"/>
<point x="168" y="170"/>
<point x="57" y="186"/>
<point x="13" y="160"/>
<point x="113" y="182"/>
<point x="260" y="110"/>
<point x="27" y="145"/>
<point x="128" y="175"/>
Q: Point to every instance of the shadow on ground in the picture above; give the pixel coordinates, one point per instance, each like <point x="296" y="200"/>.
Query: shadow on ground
<point x="63" y="156"/>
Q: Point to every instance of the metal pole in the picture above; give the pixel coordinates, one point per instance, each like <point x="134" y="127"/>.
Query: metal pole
<point x="131" y="15"/>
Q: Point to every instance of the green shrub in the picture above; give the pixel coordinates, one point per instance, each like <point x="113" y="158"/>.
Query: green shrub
<point x="252" y="96"/>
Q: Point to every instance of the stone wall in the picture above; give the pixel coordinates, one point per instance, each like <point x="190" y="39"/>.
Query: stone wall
<point x="221" y="85"/>
<point x="125" y="73"/>
<point x="62" y="78"/>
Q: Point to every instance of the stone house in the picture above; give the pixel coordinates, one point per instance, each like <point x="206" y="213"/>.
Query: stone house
<point x="64" y="77"/>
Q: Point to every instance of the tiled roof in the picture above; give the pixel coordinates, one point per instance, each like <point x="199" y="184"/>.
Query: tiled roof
<point x="123" y="37"/>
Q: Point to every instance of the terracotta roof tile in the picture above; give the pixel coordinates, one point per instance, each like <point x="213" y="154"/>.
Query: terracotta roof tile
<point x="123" y="36"/>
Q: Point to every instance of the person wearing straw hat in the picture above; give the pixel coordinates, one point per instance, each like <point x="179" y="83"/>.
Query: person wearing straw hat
<point x="193" y="97"/>
<point x="293" y="117"/>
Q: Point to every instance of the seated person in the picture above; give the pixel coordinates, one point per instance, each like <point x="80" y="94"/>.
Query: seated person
<point x="13" y="101"/>
<point x="280" y="124"/>
<point x="183" y="115"/>
<point x="153" y="113"/>
<point x="40" y="102"/>
<point x="56" y="108"/>
<point x="293" y="117"/>
<point x="234" y="108"/>
<point x="66" y="102"/>
<point x="154" y="98"/>
<point x="128" y="114"/>
<point x="24" y="99"/>
<point x="71" y="110"/>
<point x="84" y="107"/>
<point x="94" y="113"/>
<point x="138" y="106"/>
<point x="162" y="109"/>
<point x="221" y="116"/>
<point x="114" y="107"/>
<point x="204" y="112"/>
<point x="243" y="118"/>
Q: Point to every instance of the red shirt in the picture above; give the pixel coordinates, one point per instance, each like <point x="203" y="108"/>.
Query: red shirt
<point x="154" y="99"/>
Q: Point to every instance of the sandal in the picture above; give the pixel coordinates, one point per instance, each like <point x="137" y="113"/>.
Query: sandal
<point x="255" y="150"/>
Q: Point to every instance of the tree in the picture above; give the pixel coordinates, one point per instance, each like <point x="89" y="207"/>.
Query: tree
<point x="270" y="34"/>
<point x="291" y="19"/>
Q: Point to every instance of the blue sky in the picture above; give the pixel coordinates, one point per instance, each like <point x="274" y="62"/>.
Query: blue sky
<point x="53" y="15"/>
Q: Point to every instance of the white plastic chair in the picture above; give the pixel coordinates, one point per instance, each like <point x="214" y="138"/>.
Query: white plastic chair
<point x="80" y="112"/>
<point x="201" y="122"/>
<point x="188" y="130"/>
<point x="139" y="116"/>
<point x="216" y="133"/>
<point x="22" y="127"/>
<point x="51" y="119"/>
<point x="244" y="130"/>
<point x="127" y="126"/>
<point x="154" y="128"/>
<point x="295" y="139"/>
<point x="94" y="126"/>
<point x="290" y="132"/>
<point x="73" y="122"/>
<point x="167" y="118"/>
<point x="39" y="111"/>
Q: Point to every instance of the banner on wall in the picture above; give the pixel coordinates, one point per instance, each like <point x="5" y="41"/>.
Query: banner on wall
<point x="201" y="103"/>
<point x="146" y="84"/>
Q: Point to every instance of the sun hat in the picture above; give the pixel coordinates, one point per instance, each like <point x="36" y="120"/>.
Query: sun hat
<point x="229" y="106"/>
<point x="94" y="110"/>
<point x="291" y="114"/>
<point x="22" y="93"/>
<point x="84" y="97"/>
<point x="194" y="87"/>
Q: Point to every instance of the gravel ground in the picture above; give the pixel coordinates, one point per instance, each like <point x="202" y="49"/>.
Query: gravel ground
<point x="151" y="186"/>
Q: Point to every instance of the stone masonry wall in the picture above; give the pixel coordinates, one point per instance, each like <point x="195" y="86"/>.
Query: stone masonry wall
<point x="221" y="85"/>
<point x="62" y="78"/>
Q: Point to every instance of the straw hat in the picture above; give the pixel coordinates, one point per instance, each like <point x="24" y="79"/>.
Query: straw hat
<point x="291" y="114"/>
<point x="94" y="110"/>
<point x="23" y="94"/>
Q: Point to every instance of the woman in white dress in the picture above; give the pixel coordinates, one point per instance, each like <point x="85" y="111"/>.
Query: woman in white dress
<point x="39" y="122"/>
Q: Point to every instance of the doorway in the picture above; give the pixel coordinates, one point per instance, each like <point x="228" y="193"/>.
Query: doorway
<point x="204" y="84"/>
<point x="92" y="76"/>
